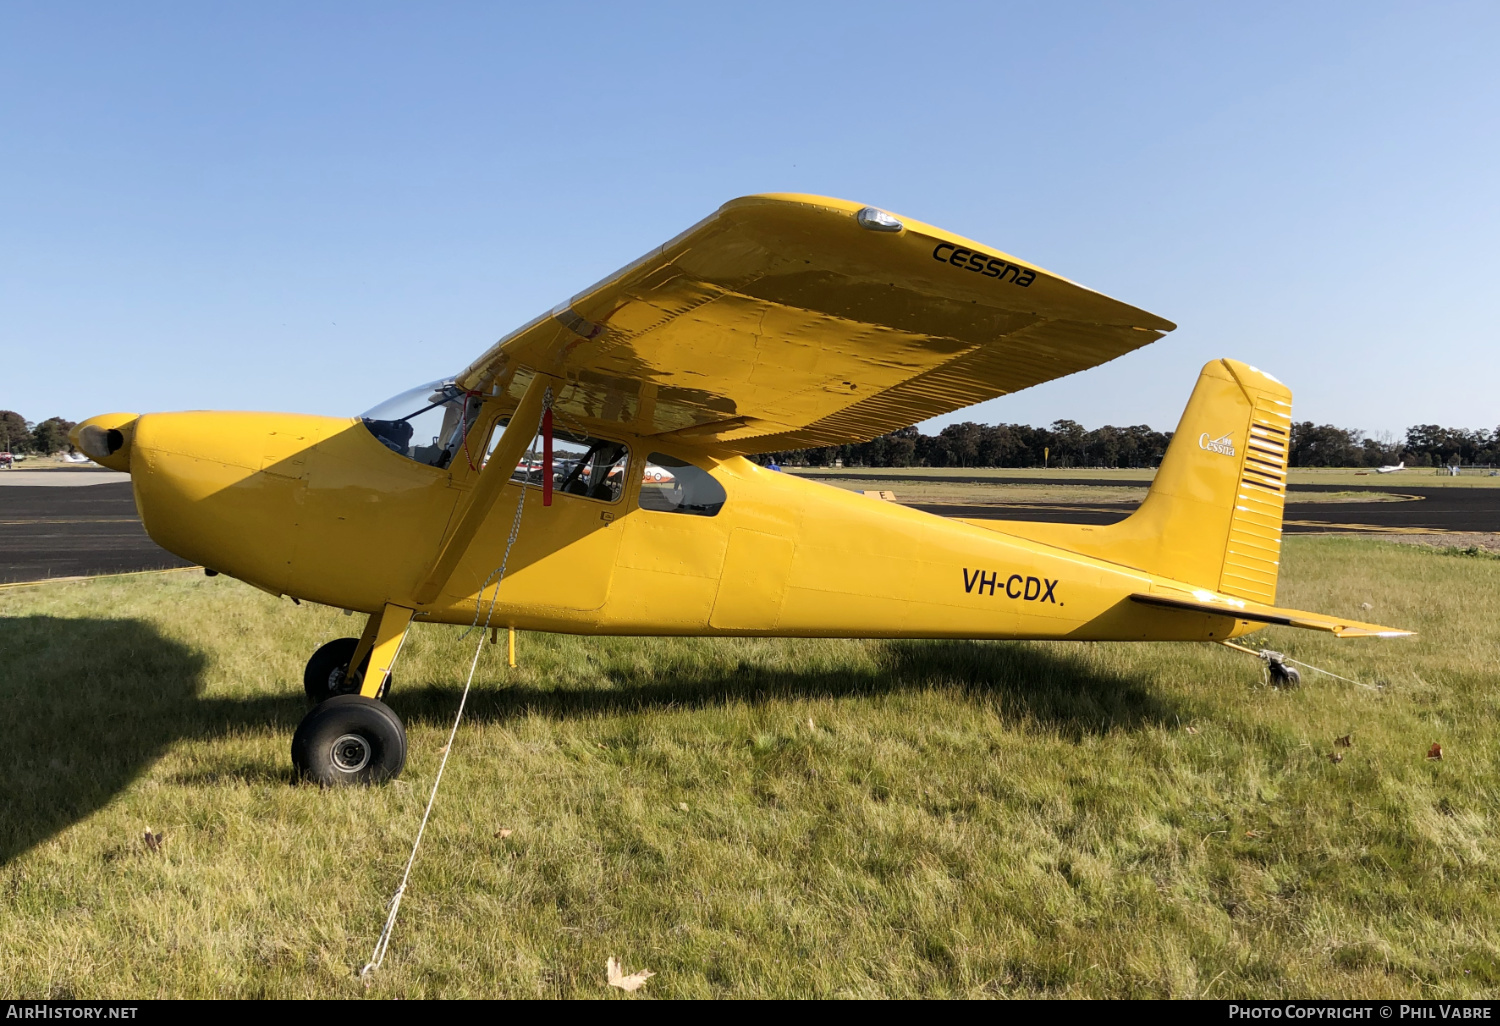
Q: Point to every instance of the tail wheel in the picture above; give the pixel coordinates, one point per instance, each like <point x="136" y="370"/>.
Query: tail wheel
<point x="327" y="672"/>
<point x="349" y="739"/>
<point x="1282" y="675"/>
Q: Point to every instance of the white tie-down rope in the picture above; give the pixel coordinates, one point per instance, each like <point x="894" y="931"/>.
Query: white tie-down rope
<point x="1267" y="655"/>
<point x="383" y="943"/>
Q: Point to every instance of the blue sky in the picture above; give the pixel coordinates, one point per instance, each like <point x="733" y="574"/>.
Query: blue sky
<point x="312" y="206"/>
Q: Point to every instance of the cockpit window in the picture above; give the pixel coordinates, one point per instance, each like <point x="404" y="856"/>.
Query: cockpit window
<point x="670" y="485"/>
<point x="426" y="424"/>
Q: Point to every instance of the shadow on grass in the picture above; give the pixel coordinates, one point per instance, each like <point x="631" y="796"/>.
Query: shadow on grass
<point x="1051" y="686"/>
<point x="90" y="704"/>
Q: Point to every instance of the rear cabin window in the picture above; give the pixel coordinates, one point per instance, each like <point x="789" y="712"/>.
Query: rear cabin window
<point x="671" y="485"/>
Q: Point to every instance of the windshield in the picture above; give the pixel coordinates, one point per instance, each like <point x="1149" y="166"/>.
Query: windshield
<point x="427" y="423"/>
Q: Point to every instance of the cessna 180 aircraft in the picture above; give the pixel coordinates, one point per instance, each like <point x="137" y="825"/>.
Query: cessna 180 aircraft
<point x="778" y="322"/>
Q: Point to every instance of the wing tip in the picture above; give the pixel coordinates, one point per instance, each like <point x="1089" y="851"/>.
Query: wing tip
<point x="1366" y="632"/>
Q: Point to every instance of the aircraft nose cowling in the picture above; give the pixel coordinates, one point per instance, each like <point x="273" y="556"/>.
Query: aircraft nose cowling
<point x="106" y="439"/>
<point x="227" y="490"/>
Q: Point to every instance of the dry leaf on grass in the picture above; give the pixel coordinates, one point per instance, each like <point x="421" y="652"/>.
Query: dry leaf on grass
<point x="1347" y="741"/>
<point x="616" y="978"/>
<point x="682" y="806"/>
<point x="1335" y="756"/>
<point x="503" y="833"/>
<point x="1191" y="730"/>
<point x="1435" y="752"/>
<point x="154" y="842"/>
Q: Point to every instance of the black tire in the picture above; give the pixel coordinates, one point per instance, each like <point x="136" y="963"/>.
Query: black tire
<point x="1282" y="675"/>
<point x="327" y="672"/>
<point x="349" y="739"/>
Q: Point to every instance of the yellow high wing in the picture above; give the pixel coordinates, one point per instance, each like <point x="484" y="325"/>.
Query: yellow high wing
<point x="790" y="321"/>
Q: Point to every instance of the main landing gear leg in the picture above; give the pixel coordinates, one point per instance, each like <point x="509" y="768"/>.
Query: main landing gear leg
<point x="355" y="738"/>
<point x="385" y="646"/>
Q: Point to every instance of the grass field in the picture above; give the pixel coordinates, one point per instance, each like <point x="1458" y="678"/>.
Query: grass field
<point x="762" y="818"/>
<point x="996" y="491"/>
<point x="1416" y="478"/>
<point x="1002" y="492"/>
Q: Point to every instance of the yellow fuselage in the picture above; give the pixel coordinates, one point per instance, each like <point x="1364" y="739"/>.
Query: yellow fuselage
<point x="317" y="508"/>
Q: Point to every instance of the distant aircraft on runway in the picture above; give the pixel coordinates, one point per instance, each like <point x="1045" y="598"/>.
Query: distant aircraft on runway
<point x="1391" y="470"/>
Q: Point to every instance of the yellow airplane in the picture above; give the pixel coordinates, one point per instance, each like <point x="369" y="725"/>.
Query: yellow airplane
<point x="778" y="322"/>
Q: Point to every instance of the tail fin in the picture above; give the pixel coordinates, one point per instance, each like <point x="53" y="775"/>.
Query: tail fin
<point x="1213" y="514"/>
<point x="1212" y="518"/>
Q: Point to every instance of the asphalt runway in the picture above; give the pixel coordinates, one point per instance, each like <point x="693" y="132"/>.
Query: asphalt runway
<point x="73" y="530"/>
<point x="1429" y="511"/>
<point x="82" y="528"/>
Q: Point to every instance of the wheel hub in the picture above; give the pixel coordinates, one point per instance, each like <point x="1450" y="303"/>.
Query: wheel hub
<point x="351" y="753"/>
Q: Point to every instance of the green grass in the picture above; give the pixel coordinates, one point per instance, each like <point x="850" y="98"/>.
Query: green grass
<point x="999" y="491"/>
<point x="996" y="491"/>
<point x="1416" y="477"/>
<point x="1127" y="476"/>
<point x="1420" y="477"/>
<point x="761" y="818"/>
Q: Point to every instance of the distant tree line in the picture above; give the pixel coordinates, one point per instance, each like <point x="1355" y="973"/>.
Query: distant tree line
<point x="17" y="434"/>
<point x="1067" y="444"/>
<point x="1064" y="444"/>
<point x="1425" y="445"/>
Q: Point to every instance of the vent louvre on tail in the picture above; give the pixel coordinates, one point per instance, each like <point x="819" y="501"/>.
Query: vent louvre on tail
<point x="1254" y="552"/>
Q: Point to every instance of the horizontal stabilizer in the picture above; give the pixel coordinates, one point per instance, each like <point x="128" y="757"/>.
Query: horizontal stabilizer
<point x="1257" y="613"/>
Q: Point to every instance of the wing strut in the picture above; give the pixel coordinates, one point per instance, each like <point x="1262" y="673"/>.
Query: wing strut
<point x="502" y="463"/>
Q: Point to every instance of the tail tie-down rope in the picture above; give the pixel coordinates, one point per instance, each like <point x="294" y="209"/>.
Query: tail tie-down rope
<point x="382" y="944"/>
<point x="1276" y="666"/>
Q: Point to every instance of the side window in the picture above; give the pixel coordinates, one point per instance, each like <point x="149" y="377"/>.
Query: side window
<point x="590" y="467"/>
<point x="671" y="485"/>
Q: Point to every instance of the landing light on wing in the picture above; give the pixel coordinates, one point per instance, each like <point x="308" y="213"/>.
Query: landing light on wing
<point x="878" y="220"/>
